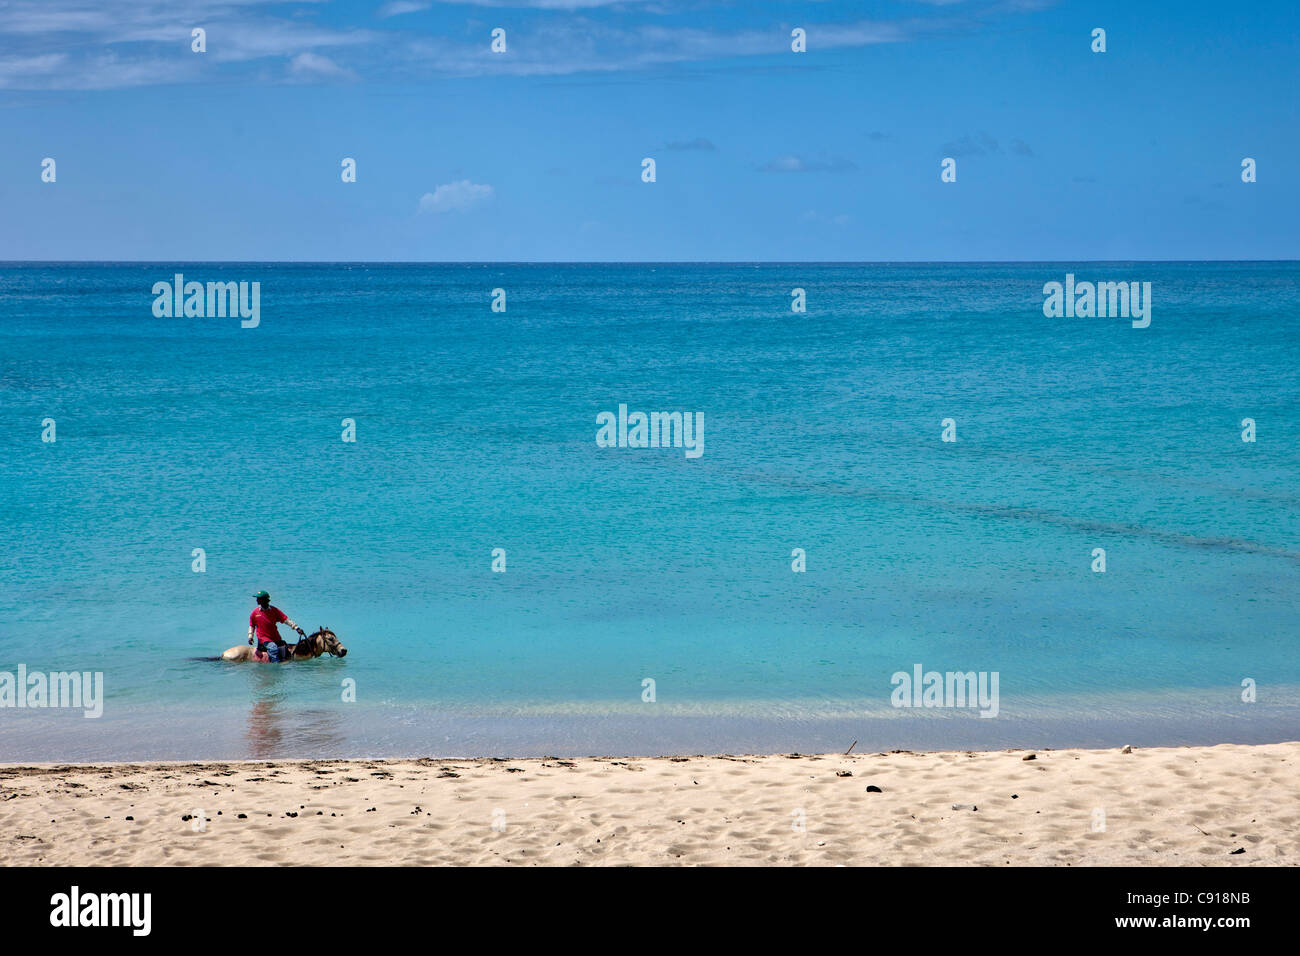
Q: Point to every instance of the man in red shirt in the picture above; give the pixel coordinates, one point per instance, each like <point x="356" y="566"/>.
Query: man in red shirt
<point x="263" y="621"/>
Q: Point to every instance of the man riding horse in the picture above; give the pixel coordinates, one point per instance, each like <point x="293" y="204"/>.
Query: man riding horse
<point x="270" y="645"/>
<point x="272" y="648"/>
<point x="323" y="641"/>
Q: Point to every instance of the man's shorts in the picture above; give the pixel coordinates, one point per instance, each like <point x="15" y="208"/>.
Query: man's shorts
<point x="275" y="653"/>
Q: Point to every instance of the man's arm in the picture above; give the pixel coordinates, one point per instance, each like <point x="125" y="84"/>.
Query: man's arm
<point x="300" y="631"/>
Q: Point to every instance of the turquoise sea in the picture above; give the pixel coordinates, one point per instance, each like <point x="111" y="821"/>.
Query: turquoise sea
<point x="476" y="430"/>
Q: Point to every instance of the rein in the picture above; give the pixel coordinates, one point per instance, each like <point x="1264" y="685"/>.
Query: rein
<point x="309" y="641"/>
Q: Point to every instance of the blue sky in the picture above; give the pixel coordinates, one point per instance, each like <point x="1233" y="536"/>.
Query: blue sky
<point x="761" y="153"/>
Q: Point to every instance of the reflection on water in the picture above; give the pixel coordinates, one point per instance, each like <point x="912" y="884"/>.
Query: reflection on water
<point x="276" y="730"/>
<point x="266" y="728"/>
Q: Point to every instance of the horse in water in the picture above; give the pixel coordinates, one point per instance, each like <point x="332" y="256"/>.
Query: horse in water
<point x="323" y="641"/>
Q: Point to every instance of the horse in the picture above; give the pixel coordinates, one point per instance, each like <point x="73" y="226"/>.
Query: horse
<point x="324" y="641"/>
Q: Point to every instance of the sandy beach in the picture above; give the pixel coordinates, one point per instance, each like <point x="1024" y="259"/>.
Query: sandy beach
<point x="1225" y="806"/>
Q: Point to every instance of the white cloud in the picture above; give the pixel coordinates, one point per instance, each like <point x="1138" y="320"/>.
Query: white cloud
<point x="112" y="44"/>
<point x="122" y="43"/>
<point x="460" y="195"/>
<point x="12" y="67"/>
<point x="546" y="4"/>
<point x="786" y="164"/>
<point x="315" y="66"/>
<point x="398" y="7"/>
<point x="813" y="216"/>
<point x="797" y="164"/>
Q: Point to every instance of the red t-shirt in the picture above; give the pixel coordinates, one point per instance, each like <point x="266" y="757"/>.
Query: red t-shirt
<point x="265" y="622"/>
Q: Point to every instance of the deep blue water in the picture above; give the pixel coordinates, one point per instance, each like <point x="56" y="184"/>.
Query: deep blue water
<point x="476" y="430"/>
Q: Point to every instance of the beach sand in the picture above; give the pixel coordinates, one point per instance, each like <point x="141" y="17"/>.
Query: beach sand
<point x="1188" y="806"/>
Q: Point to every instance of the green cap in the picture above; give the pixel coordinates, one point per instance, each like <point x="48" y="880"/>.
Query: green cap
<point x="262" y="594"/>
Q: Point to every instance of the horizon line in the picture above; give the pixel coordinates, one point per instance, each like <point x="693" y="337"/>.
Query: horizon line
<point x="626" y="262"/>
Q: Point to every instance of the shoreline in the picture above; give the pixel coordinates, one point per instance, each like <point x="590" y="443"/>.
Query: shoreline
<point x="10" y="766"/>
<point x="301" y="730"/>
<point x="1228" y="804"/>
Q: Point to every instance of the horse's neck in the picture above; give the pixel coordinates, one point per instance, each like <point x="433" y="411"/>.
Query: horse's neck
<point x="308" y="645"/>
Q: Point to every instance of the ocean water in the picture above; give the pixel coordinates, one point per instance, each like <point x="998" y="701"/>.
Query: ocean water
<point x="476" y="430"/>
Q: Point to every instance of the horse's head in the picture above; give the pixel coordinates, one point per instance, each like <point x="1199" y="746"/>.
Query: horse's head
<point x="330" y="642"/>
